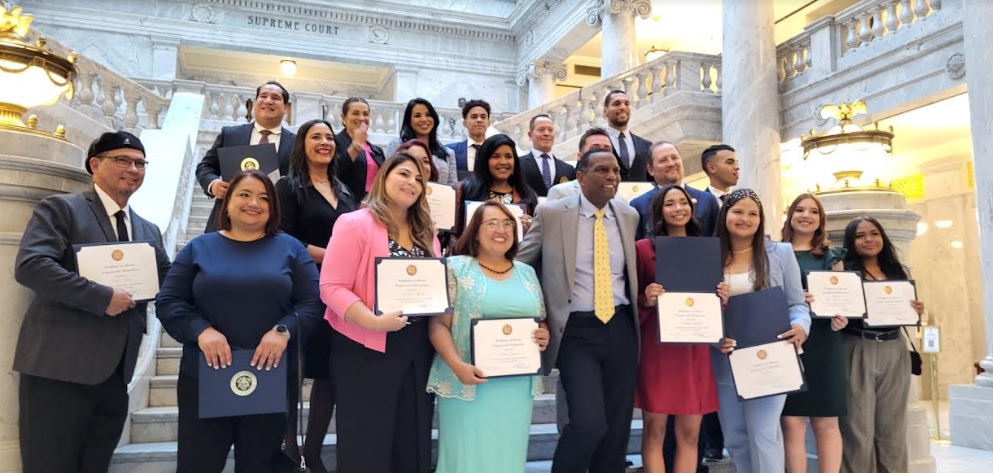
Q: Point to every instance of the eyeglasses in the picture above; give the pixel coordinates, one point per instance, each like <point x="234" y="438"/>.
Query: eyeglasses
<point x="125" y="162"/>
<point x="494" y="224"/>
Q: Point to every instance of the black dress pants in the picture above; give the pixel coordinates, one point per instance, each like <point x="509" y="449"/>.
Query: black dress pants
<point x="70" y="427"/>
<point x="598" y="365"/>
<point x="204" y="443"/>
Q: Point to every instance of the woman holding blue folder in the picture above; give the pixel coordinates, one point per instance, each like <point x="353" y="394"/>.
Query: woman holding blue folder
<point x="674" y="380"/>
<point x="752" y="432"/>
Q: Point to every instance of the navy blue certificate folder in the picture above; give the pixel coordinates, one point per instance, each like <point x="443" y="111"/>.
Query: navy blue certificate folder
<point x="240" y="389"/>
<point x="234" y="159"/>
<point x="688" y="264"/>
<point x="757" y="318"/>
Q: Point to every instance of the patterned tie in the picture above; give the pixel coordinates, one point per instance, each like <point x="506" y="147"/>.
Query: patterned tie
<point x="265" y="137"/>
<point x="122" y="227"/>
<point x="623" y="151"/>
<point x="546" y="171"/>
<point x="603" y="291"/>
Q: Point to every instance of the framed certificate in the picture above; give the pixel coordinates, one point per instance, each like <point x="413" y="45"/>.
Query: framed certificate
<point x="441" y="201"/>
<point x="690" y="317"/>
<point x="415" y="286"/>
<point x="766" y="370"/>
<point x="631" y="190"/>
<point x="516" y="210"/>
<point x="130" y="266"/>
<point x="504" y="347"/>
<point x="836" y="293"/>
<point x="887" y="303"/>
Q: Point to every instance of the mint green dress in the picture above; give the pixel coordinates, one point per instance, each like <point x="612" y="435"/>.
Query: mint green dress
<point x="485" y="428"/>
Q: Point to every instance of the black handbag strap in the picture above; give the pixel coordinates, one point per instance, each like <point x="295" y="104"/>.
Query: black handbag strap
<point x="299" y="381"/>
<point x="910" y="339"/>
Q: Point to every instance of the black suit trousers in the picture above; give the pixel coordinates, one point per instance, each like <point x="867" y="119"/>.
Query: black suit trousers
<point x="70" y="427"/>
<point x="598" y="365"/>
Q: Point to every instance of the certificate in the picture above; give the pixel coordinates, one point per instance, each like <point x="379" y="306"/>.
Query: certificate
<point x="766" y="370"/>
<point x="631" y="190"/>
<point x="690" y="317"/>
<point x="887" y="303"/>
<point x="504" y="347"/>
<point x="414" y="286"/>
<point x="441" y="201"/>
<point x="516" y="210"/>
<point x="836" y="292"/>
<point x="130" y="266"/>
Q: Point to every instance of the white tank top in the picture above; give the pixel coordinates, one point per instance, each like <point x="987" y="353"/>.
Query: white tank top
<point x="739" y="283"/>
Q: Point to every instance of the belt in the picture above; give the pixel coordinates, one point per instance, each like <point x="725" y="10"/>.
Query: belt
<point x="879" y="336"/>
<point x="591" y="314"/>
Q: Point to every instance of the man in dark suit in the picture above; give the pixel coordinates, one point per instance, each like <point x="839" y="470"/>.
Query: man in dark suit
<point x="268" y="109"/>
<point x="476" y="120"/>
<point x="541" y="168"/>
<point x="79" y="340"/>
<point x="632" y="151"/>
<point x="667" y="168"/>
<point x="585" y="244"/>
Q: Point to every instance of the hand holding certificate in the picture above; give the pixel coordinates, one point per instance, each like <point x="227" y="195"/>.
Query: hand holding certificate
<point x="887" y="303"/>
<point x="690" y="270"/>
<point x="129" y="266"/>
<point x="836" y="293"/>
<point x="414" y="286"/>
<point x="766" y="370"/>
<point x="504" y="347"/>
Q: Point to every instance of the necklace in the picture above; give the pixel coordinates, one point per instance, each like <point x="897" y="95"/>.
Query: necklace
<point x="746" y="250"/>
<point x="319" y="181"/>
<point x="495" y="271"/>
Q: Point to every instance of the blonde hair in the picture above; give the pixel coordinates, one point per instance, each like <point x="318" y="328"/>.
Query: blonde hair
<point x="418" y="215"/>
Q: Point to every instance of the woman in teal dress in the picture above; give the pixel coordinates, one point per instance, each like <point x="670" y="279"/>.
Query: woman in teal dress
<point x="484" y="424"/>
<point x="823" y="354"/>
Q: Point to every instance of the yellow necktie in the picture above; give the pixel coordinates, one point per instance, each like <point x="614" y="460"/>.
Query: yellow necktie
<point x="603" y="290"/>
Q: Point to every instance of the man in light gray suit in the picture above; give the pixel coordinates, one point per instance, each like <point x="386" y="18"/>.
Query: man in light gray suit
<point x="589" y="238"/>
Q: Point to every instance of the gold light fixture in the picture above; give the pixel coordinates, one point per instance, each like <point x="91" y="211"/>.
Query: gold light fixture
<point x="654" y="53"/>
<point x="288" y="67"/>
<point x="30" y="76"/>
<point x="854" y="156"/>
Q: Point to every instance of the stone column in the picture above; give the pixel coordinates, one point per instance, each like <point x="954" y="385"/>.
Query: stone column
<point x="540" y="77"/>
<point x="750" y="101"/>
<point x="971" y="406"/>
<point x="619" y="44"/>
<point x="406" y="84"/>
<point x="32" y="167"/>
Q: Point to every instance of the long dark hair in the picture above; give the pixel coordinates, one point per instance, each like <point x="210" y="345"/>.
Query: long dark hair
<point x="433" y="177"/>
<point x="819" y="244"/>
<point x="657" y="219"/>
<point x="275" y="216"/>
<point x="887" y="258"/>
<point x="298" y="175"/>
<point x="477" y="187"/>
<point x="407" y="132"/>
<point x="760" y="260"/>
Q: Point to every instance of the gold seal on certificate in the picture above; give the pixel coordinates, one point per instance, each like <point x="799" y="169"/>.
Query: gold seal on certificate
<point x="441" y="202"/>
<point x="690" y="317"/>
<point x="766" y="370"/>
<point x="503" y="347"/>
<point x="887" y="303"/>
<point x="414" y="286"/>
<point x="836" y="293"/>
<point x="130" y="266"/>
<point x="630" y="190"/>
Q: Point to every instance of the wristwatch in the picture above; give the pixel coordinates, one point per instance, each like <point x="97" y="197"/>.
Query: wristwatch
<point x="282" y="330"/>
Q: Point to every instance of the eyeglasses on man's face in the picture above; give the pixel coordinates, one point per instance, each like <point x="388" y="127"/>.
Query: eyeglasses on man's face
<point x="125" y="162"/>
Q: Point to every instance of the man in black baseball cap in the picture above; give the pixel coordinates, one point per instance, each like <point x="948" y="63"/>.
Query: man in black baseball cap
<point x="79" y="340"/>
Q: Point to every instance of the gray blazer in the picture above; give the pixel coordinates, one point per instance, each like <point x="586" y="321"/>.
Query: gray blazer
<point x="551" y="241"/>
<point x="65" y="334"/>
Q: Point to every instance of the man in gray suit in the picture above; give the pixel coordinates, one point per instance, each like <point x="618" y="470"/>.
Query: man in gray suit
<point x="589" y="238"/>
<point x="79" y="340"/>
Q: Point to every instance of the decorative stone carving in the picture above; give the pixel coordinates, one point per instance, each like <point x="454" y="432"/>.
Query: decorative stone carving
<point x="955" y="67"/>
<point x="539" y="12"/>
<point x="597" y="8"/>
<point x="539" y="69"/>
<point x="594" y="13"/>
<point x="528" y="38"/>
<point x="379" y="35"/>
<point x="202" y="13"/>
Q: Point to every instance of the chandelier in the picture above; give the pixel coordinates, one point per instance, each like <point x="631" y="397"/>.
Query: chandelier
<point x="855" y="157"/>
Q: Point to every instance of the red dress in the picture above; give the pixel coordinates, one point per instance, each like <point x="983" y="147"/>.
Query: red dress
<point x="672" y="379"/>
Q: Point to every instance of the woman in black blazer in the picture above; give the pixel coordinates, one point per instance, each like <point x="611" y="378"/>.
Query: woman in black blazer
<point x="358" y="160"/>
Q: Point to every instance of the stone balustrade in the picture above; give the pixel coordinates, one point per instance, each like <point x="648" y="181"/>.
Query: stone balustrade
<point x="645" y="84"/>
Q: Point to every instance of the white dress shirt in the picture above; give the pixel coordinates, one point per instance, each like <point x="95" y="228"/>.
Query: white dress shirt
<point x="615" y="142"/>
<point x="717" y="195"/>
<point x="470" y="154"/>
<point x="113" y="208"/>
<point x="536" y="155"/>
<point x="273" y="137"/>
<point x="583" y="288"/>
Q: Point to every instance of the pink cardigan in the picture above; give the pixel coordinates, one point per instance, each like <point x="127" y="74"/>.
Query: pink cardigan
<point x="348" y="273"/>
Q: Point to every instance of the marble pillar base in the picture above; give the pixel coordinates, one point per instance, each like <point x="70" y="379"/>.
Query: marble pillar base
<point x="971" y="416"/>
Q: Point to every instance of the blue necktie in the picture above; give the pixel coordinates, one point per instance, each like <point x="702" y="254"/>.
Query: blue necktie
<point x="623" y="151"/>
<point x="546" y="171"/>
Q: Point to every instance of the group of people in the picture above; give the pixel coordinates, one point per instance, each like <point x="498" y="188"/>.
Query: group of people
<point x="290" y="267"/>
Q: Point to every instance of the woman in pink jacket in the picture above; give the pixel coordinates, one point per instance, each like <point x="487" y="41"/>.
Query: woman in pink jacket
<point x="381" y="362"/>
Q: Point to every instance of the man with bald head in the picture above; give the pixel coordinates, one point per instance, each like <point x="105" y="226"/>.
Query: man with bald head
<point x="666" y="167"/>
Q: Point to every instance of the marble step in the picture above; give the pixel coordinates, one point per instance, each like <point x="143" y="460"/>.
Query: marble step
<point x="166" y="341"/>
<point x="162" y="390"/>
<point x="167" y="360"/>
<point x="160" y="457"/>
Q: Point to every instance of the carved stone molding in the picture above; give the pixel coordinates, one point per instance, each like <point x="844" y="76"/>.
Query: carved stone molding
<point x="598" y="8"/>
<point x="539" y="69"/>
<point x="955" y="67"/>
<point x="540" y="12"/>
<point x="379" y="35"/>
<point x="202" y="13"/>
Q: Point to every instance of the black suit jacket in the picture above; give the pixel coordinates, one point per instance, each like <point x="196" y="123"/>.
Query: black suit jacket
<point x="238" y="135"/>
<point x="638" y="171"/>
<point x="65" y="334"/>
<point x="564" y="172"/>
<point x="352" y="173"/>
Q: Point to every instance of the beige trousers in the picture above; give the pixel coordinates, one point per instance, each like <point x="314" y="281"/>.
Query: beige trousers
<point x="874" y="432"/>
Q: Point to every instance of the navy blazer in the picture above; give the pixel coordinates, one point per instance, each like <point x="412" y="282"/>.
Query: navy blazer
<point x="237" y="135"/>
<point x="461" y="150"/>
<point x="705" y="205"/>
<point x="564" y="172"/>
